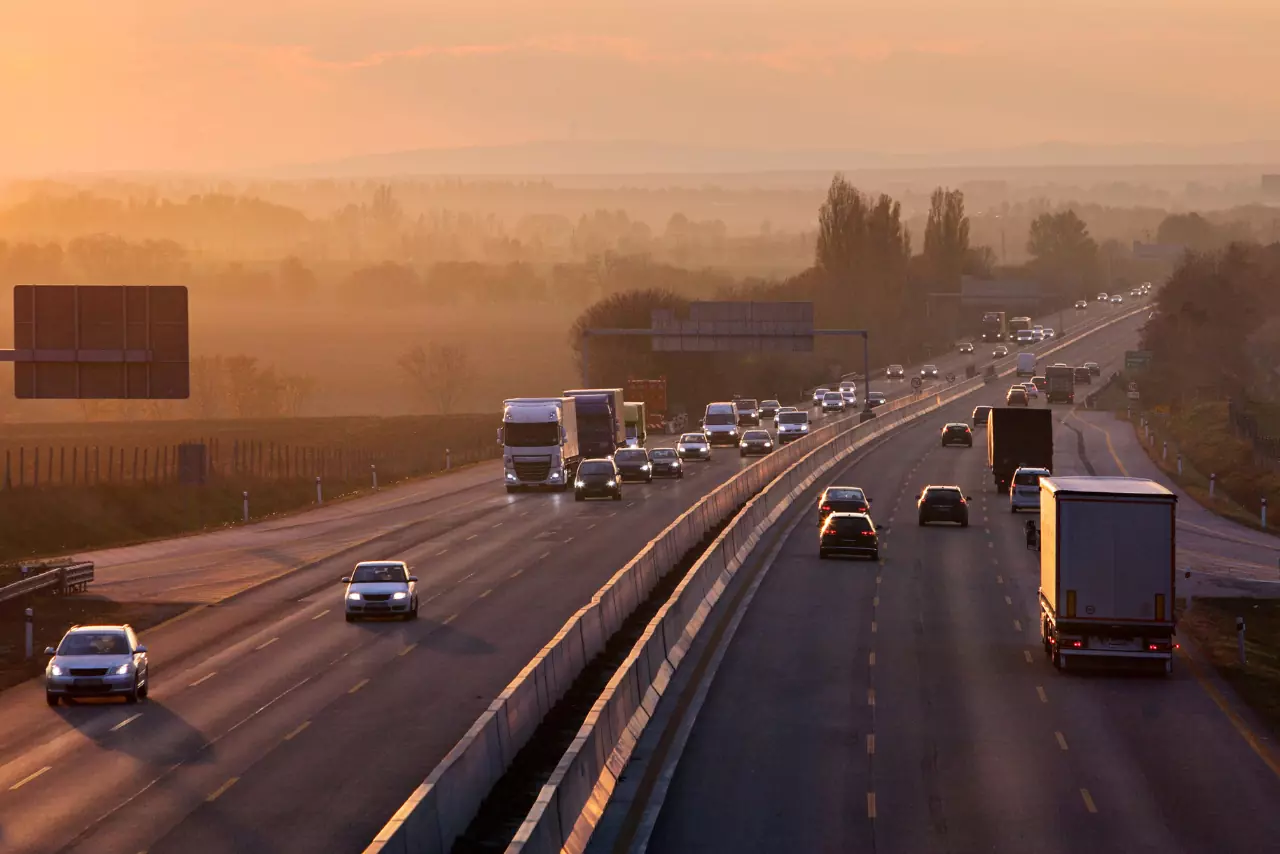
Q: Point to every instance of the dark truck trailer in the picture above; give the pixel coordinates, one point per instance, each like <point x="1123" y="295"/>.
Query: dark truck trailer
<point x="1107" y="571"/>
<point x="1018" y="437"/>
<point x="601" y="429"/>
<point x="1060" y="384"/>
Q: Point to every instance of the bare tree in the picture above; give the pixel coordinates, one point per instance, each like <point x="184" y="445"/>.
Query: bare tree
<point x="437" y="374"/>
<point x="296" y="393"/>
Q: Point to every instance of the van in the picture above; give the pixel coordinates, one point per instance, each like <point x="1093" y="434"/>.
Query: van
<point x="791" y="426"/>
<point x="720" y="423"/>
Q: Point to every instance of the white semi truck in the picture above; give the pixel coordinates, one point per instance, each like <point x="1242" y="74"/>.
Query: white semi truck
<point x="1107" y="570"/>
<point x="539" y="438"/>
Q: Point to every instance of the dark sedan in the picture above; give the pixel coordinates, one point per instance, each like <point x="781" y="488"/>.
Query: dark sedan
<point x="1082" y="376"/>
<point x="666" y="462"/>
<point x="633" y="464"/>
<point x="597" y="479"/>
<point x="980" y="415"/>
<point x="842" y="499"/>
<point x="876" y="398"/>
<point x="769" y="408"/>
<point x="1094" y="368"/>
<point x="849" y="534"/>
<point x="755" y="442"/>
<point x="956" y="433"/>
<point x="943" y="504"/>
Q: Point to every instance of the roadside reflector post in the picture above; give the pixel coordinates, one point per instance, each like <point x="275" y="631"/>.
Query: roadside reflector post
<point x="1213" y="478"/>
<point x="1264" y="512"/>
<point x="30" y="616"/>
<point x="1179" y="465"/>
<point x="1164" y="451"/>
<point x="373" y="470"/>
<point x="246" y="506"/>
<point x="319" y="493"/>
<point x="1240" y="637"/>
<point x="448" y="459"/>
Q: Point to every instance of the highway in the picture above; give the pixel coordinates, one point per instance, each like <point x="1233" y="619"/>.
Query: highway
<point x="908" y="706"/>
<point x="276" y="726"/>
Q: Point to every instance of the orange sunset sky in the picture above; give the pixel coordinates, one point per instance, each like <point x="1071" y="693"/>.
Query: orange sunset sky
<point x="91" y="85"/>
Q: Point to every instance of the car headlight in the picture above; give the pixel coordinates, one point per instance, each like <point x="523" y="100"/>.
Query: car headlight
<point x="579" y="483"/>
<point x="612" y="483"/>
<point x="400" y="594"/>
<point x="55" y="670"/>
<point x="511" y="475"/>
<point x="733" y="432"/>
<point x="768" y="444"/>
<point x="354" y="597"/>
<point x="644" y="467"/>
<point x="555" y="475"/>
<point x="804" y="428"/>
<point x="742" y="444"/>
<point x="123" y="670"/>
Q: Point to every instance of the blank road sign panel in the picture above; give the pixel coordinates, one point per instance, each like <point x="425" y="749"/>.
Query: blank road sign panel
<point x="101" y="342"/>
<point x="736" y="326"/>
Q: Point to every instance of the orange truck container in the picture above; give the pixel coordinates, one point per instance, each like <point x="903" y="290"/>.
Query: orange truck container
<point x="653" y="394"/>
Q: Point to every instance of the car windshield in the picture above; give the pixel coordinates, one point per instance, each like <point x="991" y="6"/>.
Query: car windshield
<point x="379" y="572"/>
<point x="931" y="367"/>
<point x="634" y="455"/>
<point x="693" y="439"/>
<point x="719" y="418"/>
<point x="844" y="494"/>
<point x="792" y="418"/>
<point x="596" y="467"/>
<point x="756" y="435"/>
<point x="530" y="435"/>
<point x="94" y="643"/>
<point x="1028" y="478"/>
<point x="833" y="395"/>
<point x="662" y="454"/>
<point x="895" y="368"/>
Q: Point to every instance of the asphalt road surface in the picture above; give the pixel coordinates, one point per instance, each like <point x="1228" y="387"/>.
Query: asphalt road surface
<point x="275" y="726"/>
<point x="908" y="707"/>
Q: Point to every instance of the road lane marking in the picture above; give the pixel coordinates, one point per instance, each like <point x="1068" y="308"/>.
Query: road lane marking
<point x="449" y="619"/>
<point x="986" y="531"/>
<point x="873" y="627"/>
<point x="486" y="593"/>
<point x="568" y="540"/>
<point x="322" y="613"/>
<point x="27" y="779"/>
<point x="877" y="579"/>
<point x="1088" y="800"/>
<point x="439" y="553"/>
<point x="1062" y="740"/>
<point x="497" y="524"/>
<point x="465" y="577"/>
<point x="1008" y="600"/>
<point x="433" y="597"/>
<point x="1026" y="653"/>
<point x="1017" y="626"/>
<point x="473" y="536"/>
<point x="872" y="660"/>
<point x="592" y="525"/>
<point x="544" y="555"/>
<point x="1040" y="693"/>
<point x="999" y="579"/>
<point x="991" y="545"/>
<point x="516" y="573"/>
<point x="297" y="731"/>
<point x="408" y="649"/>
<point x="871" y="743"/>
<point x="871" y="696"/>
<point x="266" y="644"/>
<point x="356" y="687"/>
<point x="631" y="504"/>
<point x="871" y="804"/>
<point x="124" y="723"/>
<point x="221" y="790"/>
<point x="203" y="679"/>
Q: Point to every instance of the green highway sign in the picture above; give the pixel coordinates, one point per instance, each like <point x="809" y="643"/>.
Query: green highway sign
<point x="1137" y="359"/>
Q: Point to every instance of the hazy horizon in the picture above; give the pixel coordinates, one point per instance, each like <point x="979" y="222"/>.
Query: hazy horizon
<point x="198" y="86"/>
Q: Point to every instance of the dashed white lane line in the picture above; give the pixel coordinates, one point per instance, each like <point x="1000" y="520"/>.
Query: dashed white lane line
<point x="203" y="679"/>
<point x="991" y="545"/>
<point x="568" y="540"/>
<point x="1017" y="626"/>
<point x="1008" y="600"/>
<point x="27" y="779"/>
<point x="322" y="613"/>
<point x="999" y="579"/>
<point x="356" y="687"/>
<point x="871" y="696"/>
<point x="1088" y="800"/>
<point x="871" y="660"/>
<point x="265" y="644"/>
<point x="544" y="555"/>
<point x="484" y="594"/>
<point x="473" y="536"/>
<point x="124" y="723"/>
<point x="449" y="619"/>
<point x="221" y="790"/>
<point x="497" y="524"/>
<point x="871" y="743"/>
<point x="441" y="552"/>
<point x="408" y="649"/>
<point x="297" y="731"/>
<point x="1026" y="653"/>
<point x="516" y="574"/>
<point x="1062" y="740"/>
<point x="871" y="804"/>
<point x="1041" y="694"/>
<point x="873" y="627"/>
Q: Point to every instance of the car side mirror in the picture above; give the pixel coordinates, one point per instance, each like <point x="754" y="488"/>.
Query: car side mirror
<point x="48" y="650"/>
<point x="346" y="579"/>
<point x="413" y="579"/>
<point x="140" y="650"/>
<point x="968" y="498"/>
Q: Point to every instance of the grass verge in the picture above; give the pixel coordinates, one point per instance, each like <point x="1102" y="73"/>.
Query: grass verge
<point x="54" y="615"/>
<point x="1211" y="622"/>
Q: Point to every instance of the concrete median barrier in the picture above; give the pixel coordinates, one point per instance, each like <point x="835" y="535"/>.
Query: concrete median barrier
<point x="566" y="809"/>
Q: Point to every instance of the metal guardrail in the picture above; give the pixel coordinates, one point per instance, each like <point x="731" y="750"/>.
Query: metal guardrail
<point x="64" y="580"/>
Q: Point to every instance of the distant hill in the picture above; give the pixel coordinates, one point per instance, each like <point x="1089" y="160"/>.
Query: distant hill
<point x="554" y="157"/>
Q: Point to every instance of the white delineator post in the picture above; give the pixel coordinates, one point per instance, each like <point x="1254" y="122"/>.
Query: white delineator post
<point x="1264" y="512"/>
<point x="1240" y="637"/>
<point x="1213" y="478"/>
<point x="319" y="494"/>
<point x="1164" y="451"/>
<point x="1179" y="465"/>
<point x="448" y="459"/>
<point x="373" y="470"/>
<point x="30" y="616"/>
<point x="246" y="506"/>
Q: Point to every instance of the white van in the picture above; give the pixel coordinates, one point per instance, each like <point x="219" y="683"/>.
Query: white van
<point x="720" y="423"/>
<point x="1026" y="364"/>
<point x="791" y="425"/>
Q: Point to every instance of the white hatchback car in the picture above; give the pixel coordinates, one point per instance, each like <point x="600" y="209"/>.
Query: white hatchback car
<point x="381" y="588"/>
<point x="1024" y="491"/>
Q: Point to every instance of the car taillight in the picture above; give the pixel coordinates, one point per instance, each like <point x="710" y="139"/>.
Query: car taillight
<point x="868" y="533"/>
<point x="826" y="508"/>
<point x="828" y="532"/>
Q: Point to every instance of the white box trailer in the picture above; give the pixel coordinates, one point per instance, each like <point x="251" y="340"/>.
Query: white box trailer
<point x="1107" y="567"/>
